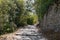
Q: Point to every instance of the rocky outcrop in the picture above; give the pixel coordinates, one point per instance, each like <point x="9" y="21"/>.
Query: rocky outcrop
<point x="51" y="20"/>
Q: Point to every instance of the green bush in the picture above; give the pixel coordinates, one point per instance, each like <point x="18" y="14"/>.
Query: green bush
<point x="28" y="18"/>
<point x="9" y="11"/>
<point x="12" y="12"/>
<point x="23" y="20"/>
<point x="7" y="28"/>
<point x="32" y="19"/>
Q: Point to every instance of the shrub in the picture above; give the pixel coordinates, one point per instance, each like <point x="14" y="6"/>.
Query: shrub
<point x="28" y="18"/>
<point x="9" y="11"/>
<point x="23" y="20"/>
<point x="32" y="19"/>
<point x="7" y="28"/>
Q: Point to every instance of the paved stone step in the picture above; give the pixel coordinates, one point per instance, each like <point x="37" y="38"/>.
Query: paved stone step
<point x="31" y="27"/>
<point x="30" y="32"/>
<point x="21" y="38"/>
<point x="26" y="29"/>
<point x="28" y="38"/>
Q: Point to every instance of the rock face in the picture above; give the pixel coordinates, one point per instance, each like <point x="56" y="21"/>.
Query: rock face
<point x="51" y="21"/>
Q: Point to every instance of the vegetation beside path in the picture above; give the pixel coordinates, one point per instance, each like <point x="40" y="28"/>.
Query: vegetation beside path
<point x="13" y="14"/>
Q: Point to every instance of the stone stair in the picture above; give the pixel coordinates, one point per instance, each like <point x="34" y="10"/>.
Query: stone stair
<point x="30" y="32"/>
